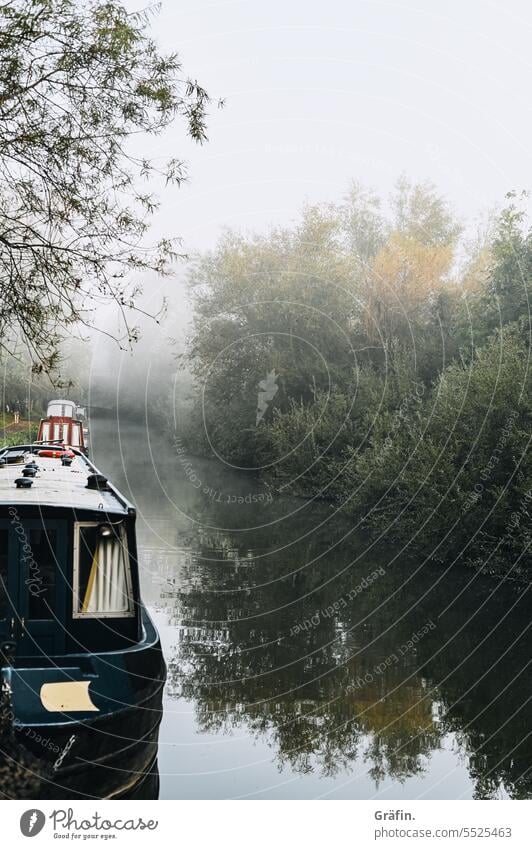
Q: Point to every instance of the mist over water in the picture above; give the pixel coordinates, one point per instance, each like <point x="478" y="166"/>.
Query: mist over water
<point x="125" y="378"/>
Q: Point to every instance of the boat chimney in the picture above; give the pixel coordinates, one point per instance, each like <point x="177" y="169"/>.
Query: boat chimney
<point x="97" y="481"/>
<point x="23" y="483"/>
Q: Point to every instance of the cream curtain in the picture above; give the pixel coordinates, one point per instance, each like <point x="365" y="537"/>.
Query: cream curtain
<point x="107" y="590"/>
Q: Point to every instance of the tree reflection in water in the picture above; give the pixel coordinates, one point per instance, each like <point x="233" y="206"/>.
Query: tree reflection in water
<point x="275" y="638"/>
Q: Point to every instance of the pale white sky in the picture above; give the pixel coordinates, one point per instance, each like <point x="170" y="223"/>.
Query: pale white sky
<point x="323" y="91"/>
<point x="320" y="92"/>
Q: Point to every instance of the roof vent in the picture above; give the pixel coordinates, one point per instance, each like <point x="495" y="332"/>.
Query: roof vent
<point x="29" y="472"/>
<point x="23" y="483"/>
<point x="97" y="482"/>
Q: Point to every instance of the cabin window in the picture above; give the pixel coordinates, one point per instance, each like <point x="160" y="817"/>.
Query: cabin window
<point x="58" y="409"/>
<point x="102" y="574"/>
<point x="75" y="435"/>
<point x="46" y="432"/>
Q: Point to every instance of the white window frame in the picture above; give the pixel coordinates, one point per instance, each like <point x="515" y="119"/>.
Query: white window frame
<point x="76" y="601"/>
<point x="75" y="436"/>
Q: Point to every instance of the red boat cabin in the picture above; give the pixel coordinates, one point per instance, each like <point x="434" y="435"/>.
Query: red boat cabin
<point x="61" y="426"/>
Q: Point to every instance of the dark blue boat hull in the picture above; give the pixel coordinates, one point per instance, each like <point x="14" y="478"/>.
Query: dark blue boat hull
<point x="109" y="751"/>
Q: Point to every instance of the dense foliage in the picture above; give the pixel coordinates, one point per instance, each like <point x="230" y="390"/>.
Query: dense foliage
<point x="389" y="361"/>
<point x="78" y="81"/>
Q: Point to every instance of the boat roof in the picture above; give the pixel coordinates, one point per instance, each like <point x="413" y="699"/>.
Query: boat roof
<point x="56" y="485"/>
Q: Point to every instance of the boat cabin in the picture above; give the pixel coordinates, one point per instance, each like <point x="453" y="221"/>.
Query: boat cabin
<point x="61" y="408"/>
<point x="69" y="578"/>
<point x="63" y="425"/>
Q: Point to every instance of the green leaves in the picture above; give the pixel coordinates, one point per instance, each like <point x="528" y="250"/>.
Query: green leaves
<point x="81" y="79"/>
<point x="415" y="416"/>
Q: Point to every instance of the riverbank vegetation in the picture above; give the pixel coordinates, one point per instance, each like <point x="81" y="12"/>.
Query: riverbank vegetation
<point x="374" y="355"/>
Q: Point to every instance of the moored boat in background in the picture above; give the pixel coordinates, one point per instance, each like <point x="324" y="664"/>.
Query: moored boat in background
<point x="63" y="425"/>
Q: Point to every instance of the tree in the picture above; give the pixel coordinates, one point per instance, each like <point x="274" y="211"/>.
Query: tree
<point x="419" y="212"/>
<point x="405" y="275"/>
<point x="77" y="82"/>
<point x="456" y="477"/>
<point x="363" y="221"/>
<point x="281" y="302"/>
<point x="344" y="290"/>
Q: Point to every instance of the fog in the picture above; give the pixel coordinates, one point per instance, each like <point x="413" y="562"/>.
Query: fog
<point x="320" y="93"/>
<point x="317" y="95"/>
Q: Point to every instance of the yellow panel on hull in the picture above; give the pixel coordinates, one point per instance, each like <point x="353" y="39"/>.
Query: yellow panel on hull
<point x="67" y="696"/>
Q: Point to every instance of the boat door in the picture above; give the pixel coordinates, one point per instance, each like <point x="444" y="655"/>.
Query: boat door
<point x="7" y="611"/>
<point x="33" y="586"/>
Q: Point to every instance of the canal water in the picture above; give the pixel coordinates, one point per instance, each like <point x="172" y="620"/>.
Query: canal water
<point x="305" y="662"/>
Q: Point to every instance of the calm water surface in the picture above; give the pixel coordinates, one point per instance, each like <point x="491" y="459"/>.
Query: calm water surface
<point x="305" y="662"/>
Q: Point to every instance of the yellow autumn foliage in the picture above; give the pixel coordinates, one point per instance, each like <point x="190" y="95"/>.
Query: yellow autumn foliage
<point x="403" y="279"/>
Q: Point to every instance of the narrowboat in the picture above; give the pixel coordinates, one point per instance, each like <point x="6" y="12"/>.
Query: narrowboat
<point x="63" y="424"/>
<point x="82" y="666"/>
